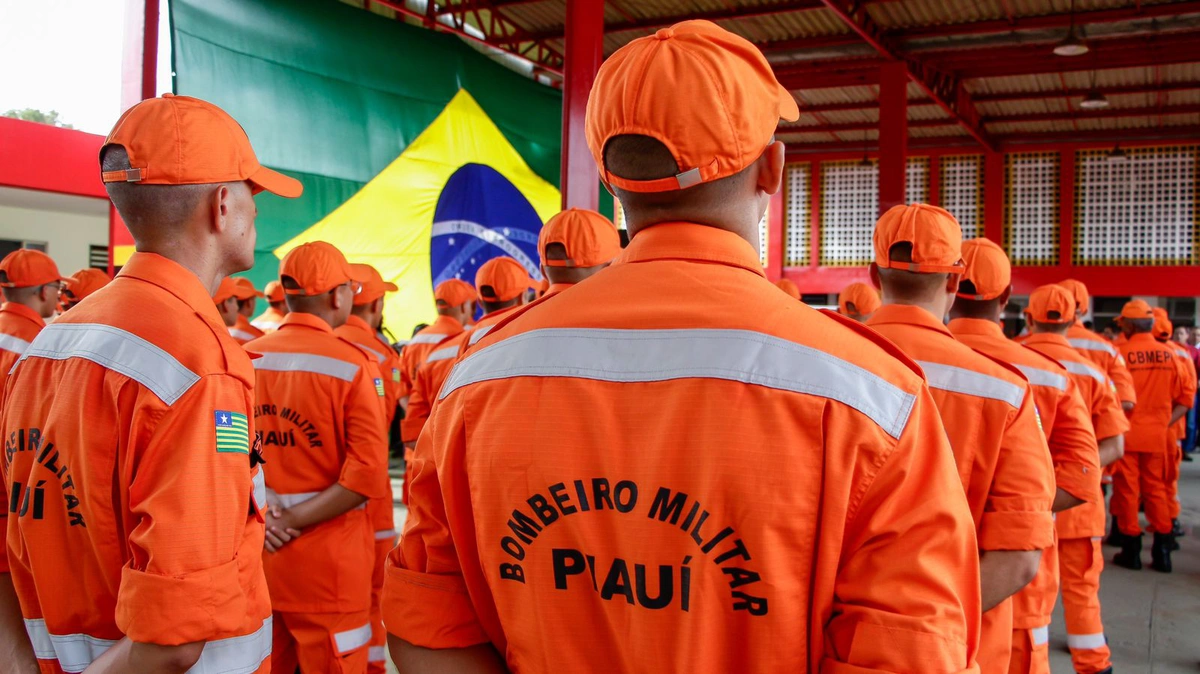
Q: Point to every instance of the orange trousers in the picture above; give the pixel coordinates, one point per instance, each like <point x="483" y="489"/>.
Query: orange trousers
<point x="1141" y="477"/>
<point x="321" y="643"/>
<point x="377" y="652"/>
<point x="1030" y="651"/>
<point x="995" y="639"/>
<point x="1174" y="456"/>
<point x="1080" y="561"/>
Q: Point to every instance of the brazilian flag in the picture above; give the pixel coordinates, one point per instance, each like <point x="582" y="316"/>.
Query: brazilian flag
<point x="418" y="154"/>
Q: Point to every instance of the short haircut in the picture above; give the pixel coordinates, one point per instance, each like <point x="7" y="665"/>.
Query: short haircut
<point x="19" y="295"/>
<point x="636" y="157"/>
<point x="556" y="251"/>
<point x="968" y="308"/>
<point x="905" y="284"/>
<point x="489" y="306"/>
<point x="143" y="206"/>
<point x="303" y="304"/>
<point x="1058" y="328"/>
<point x="1139" y="324"/>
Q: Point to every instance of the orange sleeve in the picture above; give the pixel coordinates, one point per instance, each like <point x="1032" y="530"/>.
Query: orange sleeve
<point x="189" y="496"/>
<point x="1119" y="374"/>
<point x="1017" y="515"/>
<point x="1187" y="381"/>
<point x="425" y="600"/>
<point x="408" y="369"/>
<point x="1108" y="418"/>
<point x="1073" y="447"/>
<point x="364" y="470"/>
<point x="906" y="596"/>
<point x="419" y="404"/>
<point x="4" y="521"/>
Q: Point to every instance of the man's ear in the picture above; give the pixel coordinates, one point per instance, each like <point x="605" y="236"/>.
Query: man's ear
<point x="873" y="272"/>
<point x="952" y="281"/>
<point x="219" y="207"/>
<point x="1004" y="296"/>
<point x="770" y="168"/>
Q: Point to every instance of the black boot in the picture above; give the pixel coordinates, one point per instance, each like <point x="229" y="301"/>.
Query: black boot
<point x="1115" y="537"/>
<point x="1106" y="671"/>
<point x="1130" y="556"/>
<point x="1176" y="528"/>
<point x="1160" y="553"/>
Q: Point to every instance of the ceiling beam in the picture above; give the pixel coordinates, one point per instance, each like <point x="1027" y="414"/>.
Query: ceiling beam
<point x="1050" y="21"/>
<point x="1148" y="89"/>
<point x="475" y="5"/>
<point x="1081" y="115"/>
<point x="1008" y="141"/>
<point x="1135" y="52"/>
<point x="947" y="93"/>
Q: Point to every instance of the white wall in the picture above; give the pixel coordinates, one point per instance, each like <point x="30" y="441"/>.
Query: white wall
<point x="68" y="225"/>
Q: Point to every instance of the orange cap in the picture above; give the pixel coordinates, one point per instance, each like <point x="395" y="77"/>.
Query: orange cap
<point x="26" y="268"/>
<point x="865" y="298"/>
<point x="85" y="282"/>
<point x="1135" y="309"/>
<point x="1050" y="304"/>
<point x="373" y="285"/>
<point x="590" y="238"/>
<point x="708" y="95"/>
<point x="453" y="293"/>
<point x="934" y="234"/>
<point x="180" y="140"/>
<point x="1079" y="292"/>
<point x="274" y="291"/>
<point x="787" y="286"/>
<point x="245" y="289"/>
<point x="226" y="290"/>
<point x="1163" y="327"/>
<point x="504" y="279"/>
<point x="987" y="268"/>
<point x="317" y="267"/>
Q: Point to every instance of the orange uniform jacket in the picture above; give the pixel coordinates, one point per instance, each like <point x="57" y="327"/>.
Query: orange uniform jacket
<point x="1103" y="353"/>
<point x="709" y="482"/>
<point x="434" y="370"/>
<point x="1160" y="385"/>
<point x="18" y="326"/>
<point x="317" y="405"/>
<point x="269" y="320"/>
<point x="1186" y="367"/>
<point x="1067" y="424"/>
<point x="419" y="347"/>
<point x="128" y="437"/>
<point x="1002" y="457"/>
<point x="1107" y="418"/>
<point x="243" y="331"/>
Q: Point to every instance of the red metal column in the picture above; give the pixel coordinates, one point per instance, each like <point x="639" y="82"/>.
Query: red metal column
<point x="775" y="236"/>
<point x="584" y="50"/>
<point x="893" y="133"/>
<point x="139" y="67"/>
<point x="993" y="196"/>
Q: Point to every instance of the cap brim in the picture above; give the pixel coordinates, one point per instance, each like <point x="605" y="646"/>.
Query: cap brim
<point x="789" y="111"/>
<point x="276" y="183"/>
<point x="390" y="287"/>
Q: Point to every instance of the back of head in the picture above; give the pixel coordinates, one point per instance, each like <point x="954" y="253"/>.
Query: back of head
<point x="1136" y="318"/>
<point x="858" y="301"/>
<point x="577" y="243"/>
<point x="501" y="283"/>
<point x="1051" y="309"/>
<point x="916" y="248"/>
<point x="1080" y="292"/>
<point x="318" y="280"/>
<point x="986" y="283"/>
<point x="703" y="160"/>
<point x="455" y="298"/>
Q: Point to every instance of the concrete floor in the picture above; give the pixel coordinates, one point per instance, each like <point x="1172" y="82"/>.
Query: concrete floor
<point x="1152" y="620"/>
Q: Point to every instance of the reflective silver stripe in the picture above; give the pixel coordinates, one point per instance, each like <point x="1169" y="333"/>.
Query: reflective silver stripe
<point x="959" y="380"/>
<point x="1040" y="377"/>
<point x="1040" y="635"/>
<point x="74" y="652"/>
<point x="636" y="356"/>
<point x="427" y="338"/>
<point x="377" y="654"/>
<point x="1093" y="345"/>
<point x="293" y="500"/>
<point x="442" y="354"/>
<point x="265" y="326"/>
<point x="352" y="639"/>
<point x="241" y="334"/>
<point x="13" y="344"/>
<point x="120" y="351"/>
<point x="1085" y="370"/>
<point x="479" y="334"/>
<point x="1086" y="642"/>
<point x="236" y="655"/>
<point x="260" y="490"/>
<point x="378" y="356"/>
<point x="307" y="362"/>
<point x="384" y="535"/>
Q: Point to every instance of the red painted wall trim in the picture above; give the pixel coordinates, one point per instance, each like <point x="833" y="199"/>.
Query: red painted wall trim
<point x="584" y="50"/>
<point x="50" y="159"/>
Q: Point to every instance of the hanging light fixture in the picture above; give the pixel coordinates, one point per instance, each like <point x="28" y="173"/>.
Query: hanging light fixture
<point x="1117" y="155"/>
<point x="1071" y="44"/>
<point x="866" y="161"/>
<point x="1094" y="100"/>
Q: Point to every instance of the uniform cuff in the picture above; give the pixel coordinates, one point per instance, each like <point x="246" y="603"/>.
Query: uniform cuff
<point x="173" y="610"/>
<point x="410" y="428"/>
<point x="1016" y="530"/>
<point x="1078" y="480"/>
<point x="430" y="610"/>
<point x="363" y="481"/>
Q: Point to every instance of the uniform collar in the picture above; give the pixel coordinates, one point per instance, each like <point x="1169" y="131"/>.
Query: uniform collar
<point x="905" y="314"/>
<point x="1048" y="338"/>
<point x="297" y="319"/>
<point x="445" y="323"/>
<point x="494" y="316"/>
<point x="358" y="323"/>
<point x="556" y="288"/>
<point x="175" y="279"/>
<point x="976" y="326"/>
<point x="1143" y="337"/>
<point x="23" y="311"/>
<point x="689" y="241"/>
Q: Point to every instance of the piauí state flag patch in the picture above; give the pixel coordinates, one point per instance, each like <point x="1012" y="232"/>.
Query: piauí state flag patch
<point x="379" y="386"/>
<point x="233" y="432"/>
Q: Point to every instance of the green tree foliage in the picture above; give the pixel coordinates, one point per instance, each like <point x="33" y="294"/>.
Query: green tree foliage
<point x="33" y="115"/>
